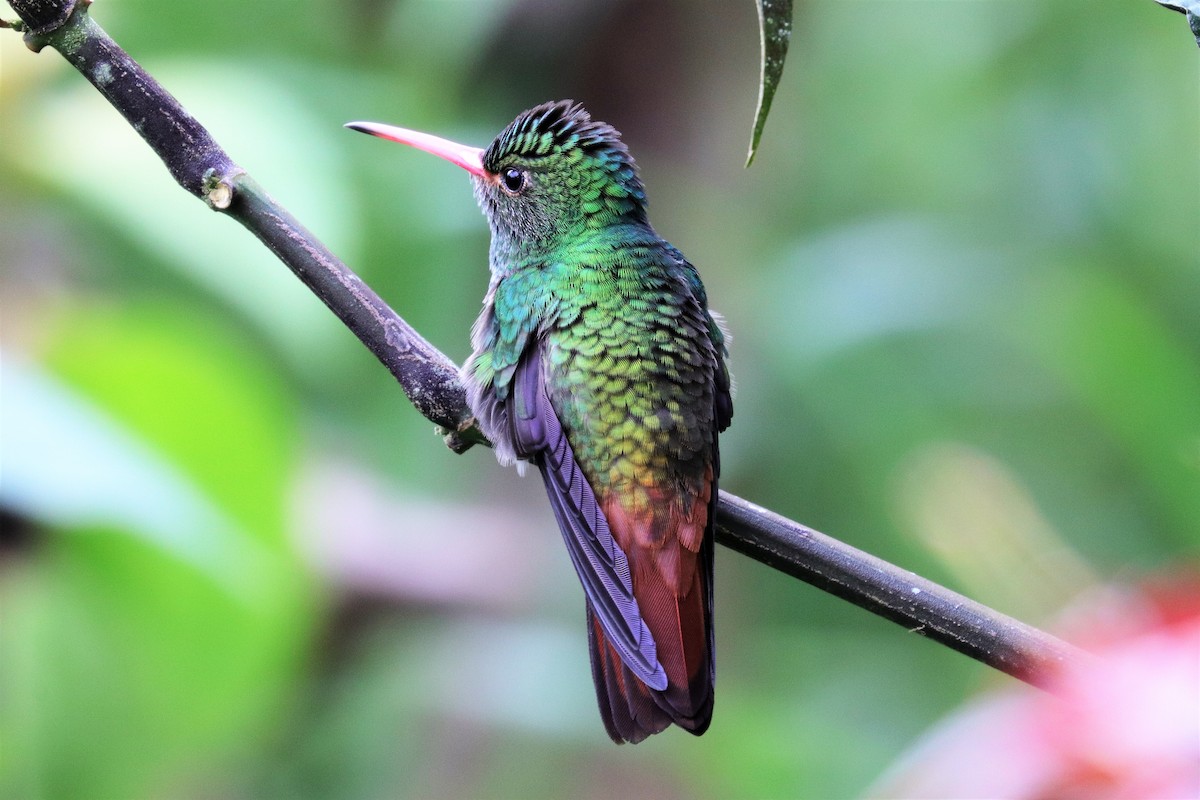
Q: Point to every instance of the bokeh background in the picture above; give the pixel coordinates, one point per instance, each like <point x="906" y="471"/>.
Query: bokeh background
<point x="963" y="282"/>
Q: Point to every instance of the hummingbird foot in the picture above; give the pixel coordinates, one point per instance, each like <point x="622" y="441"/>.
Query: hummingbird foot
<point x="464" y="438"/>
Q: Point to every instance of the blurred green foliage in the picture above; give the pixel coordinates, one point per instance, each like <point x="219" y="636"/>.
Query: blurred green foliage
<point x="963" y="283"/>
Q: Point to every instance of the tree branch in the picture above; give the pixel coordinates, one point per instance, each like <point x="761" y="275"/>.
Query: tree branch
<point x="202" y="168"/>
<point x="431" y="380"/>
<point x="893" y="593"/>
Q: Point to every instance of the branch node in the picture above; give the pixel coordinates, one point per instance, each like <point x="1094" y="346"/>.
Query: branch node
<point x="218" y="189"/>
<point x="464" y="438"/>
<point x="40" y="21"/>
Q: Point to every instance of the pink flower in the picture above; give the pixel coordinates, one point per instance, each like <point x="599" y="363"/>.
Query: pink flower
<point x="1126" y="725"/>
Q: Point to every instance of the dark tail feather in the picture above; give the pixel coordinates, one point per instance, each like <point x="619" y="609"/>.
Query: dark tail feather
<point x="631" y="711"/>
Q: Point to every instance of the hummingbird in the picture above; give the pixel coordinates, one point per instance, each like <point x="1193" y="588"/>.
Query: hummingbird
<point x="597" y="359"/>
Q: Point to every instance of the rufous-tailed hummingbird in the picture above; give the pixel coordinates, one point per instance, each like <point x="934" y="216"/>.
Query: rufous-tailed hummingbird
<point x="597" y="359"/>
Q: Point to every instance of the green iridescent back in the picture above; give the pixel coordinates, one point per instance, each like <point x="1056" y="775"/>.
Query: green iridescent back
<point x="629" y="354"/>
<point x="629" y="344"/>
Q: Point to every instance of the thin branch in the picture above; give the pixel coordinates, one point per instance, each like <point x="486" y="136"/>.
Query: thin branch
<point x="893" y="593"/>
<point x="431" y="380"/>
<point x="201" y="167"/>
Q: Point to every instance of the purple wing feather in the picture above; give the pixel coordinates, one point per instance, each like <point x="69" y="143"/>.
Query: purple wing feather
<point x="603" y="569"/>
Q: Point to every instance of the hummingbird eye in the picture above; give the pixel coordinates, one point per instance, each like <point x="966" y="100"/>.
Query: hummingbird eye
<point x="513" y="180"/>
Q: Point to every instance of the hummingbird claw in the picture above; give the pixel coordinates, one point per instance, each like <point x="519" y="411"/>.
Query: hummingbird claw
<point x="464" y="438"/>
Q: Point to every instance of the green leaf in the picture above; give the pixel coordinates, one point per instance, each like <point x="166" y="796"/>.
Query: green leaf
<point x="72" y="466"/>
<point x="775" y="33"/>
<point x="164" y="616"/>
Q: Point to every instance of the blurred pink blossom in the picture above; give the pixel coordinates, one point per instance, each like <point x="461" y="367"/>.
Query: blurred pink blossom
<point x="1124" y="726"/>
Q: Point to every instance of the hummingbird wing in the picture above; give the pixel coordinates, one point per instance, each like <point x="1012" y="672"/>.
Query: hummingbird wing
<point x="600" y="562"/>
<point x="649" y="671"/>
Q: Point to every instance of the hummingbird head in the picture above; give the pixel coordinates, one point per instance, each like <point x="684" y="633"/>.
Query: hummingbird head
<point x="553" y="173"/>
<point x="558" y="171"/>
